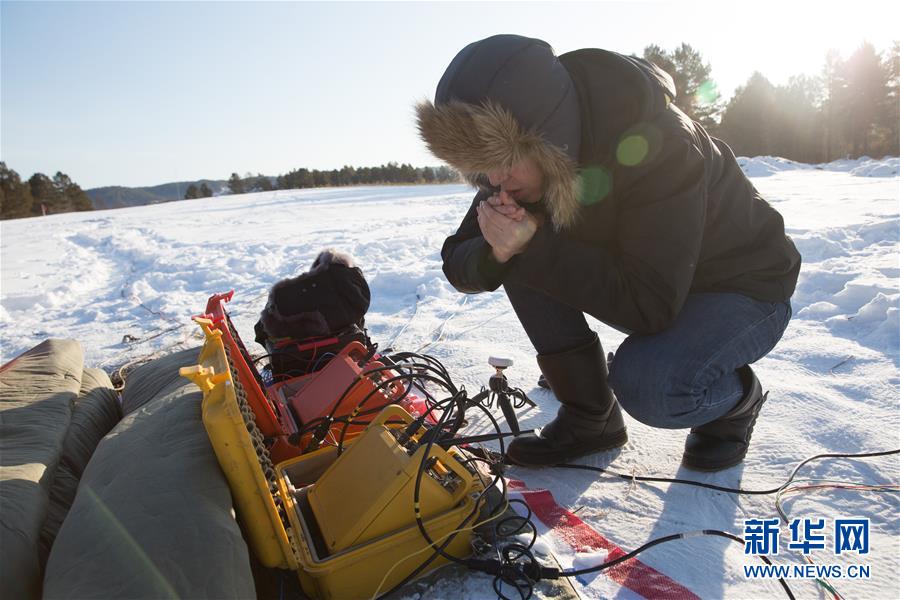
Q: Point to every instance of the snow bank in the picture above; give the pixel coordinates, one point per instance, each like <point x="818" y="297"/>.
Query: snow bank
<point x="764" y="166"/>
<point x="864" y="166"/>
<point x="886" y="167"/>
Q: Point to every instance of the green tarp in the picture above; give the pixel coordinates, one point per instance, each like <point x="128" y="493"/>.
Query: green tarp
<point x="37" y="393"/>
<point x="153" y="515"/>
<point x="96" y="412"/>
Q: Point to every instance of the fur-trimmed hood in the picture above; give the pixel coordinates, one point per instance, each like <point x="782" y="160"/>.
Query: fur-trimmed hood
<point x="475" y="139"/>
<point x="473" y="126"/>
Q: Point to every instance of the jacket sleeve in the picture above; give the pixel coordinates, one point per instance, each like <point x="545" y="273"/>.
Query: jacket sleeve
<point x="468" y="263"/>
<point x="641" y="281"/>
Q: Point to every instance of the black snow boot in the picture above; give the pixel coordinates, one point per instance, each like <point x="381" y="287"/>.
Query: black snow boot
<point x="542" y="380"/>
<point x="723" y="443"/>
<point x="589" y="419"/>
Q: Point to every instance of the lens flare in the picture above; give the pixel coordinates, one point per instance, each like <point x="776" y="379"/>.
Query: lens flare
<point x="707" y="93"/>
<point x="596" y="184"/>
<point x="632" y="150"/>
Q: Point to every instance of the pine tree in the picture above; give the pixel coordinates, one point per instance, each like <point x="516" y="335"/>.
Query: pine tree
<point x="796" y="122"/>
<point x="61" y="183"/>
<point x="15" y="196"/>
<point x="748" y="119"/>
<point x="263" y="183"/>
<point x="205" y="192"/>
<point x="867" y="91"/>
<point x="696" y="92"/>
<point x="321" y="178"/>
<point x="407" y="173"/>
<point x="235" y="184"/>
<point x="191" y="192"/>
<point x="78" y="200"/>
<point x="833" y="106"/>
<point x="348" y="175"/>
<point x="44" y="194"/>
<point x="445" y="174"/>
<point x="892" y="102"/>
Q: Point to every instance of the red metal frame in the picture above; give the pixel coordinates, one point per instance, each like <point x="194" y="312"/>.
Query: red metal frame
<point x="274" y="420"/>
<point x="283" y="408"/>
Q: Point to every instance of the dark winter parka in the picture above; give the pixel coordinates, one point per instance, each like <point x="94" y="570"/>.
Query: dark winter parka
<point x="652" y="210"/>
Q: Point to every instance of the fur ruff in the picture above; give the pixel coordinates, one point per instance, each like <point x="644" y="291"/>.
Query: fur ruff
<point x="475" y="139"/>
<point x="328" y="256"/>
<point x="313" y="322"/>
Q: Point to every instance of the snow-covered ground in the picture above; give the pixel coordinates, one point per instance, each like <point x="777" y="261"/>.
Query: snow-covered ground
<point x="125" y="283"/>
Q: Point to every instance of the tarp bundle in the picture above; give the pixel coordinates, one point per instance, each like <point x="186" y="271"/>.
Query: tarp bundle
<point x="152" y="516"/>
<point x="38" y="391"/>
<point x="96" y="412"/>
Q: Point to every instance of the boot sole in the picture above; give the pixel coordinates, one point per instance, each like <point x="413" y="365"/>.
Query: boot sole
<point x="706" y="466"/>
<point x="713" y="467"/>
<point x="616" y="441"/>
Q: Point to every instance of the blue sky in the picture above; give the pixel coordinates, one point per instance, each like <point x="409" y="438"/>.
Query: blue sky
<point x="127" y="93"/>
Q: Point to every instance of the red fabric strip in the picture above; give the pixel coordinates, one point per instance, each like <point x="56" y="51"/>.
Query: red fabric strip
<point x="633" y="574"/>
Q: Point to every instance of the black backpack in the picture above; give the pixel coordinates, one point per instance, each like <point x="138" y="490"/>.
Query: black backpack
<point x="311" y="317"/>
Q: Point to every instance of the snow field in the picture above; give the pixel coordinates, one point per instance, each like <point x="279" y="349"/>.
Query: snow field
<point x="833" y="380"/>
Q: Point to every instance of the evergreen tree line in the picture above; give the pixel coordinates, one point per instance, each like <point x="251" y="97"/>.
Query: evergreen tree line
<point x="40" y="195"/>
<point x="851" y="109"/>
<point x="193" y="192"/>
<point x="391" y="173"/>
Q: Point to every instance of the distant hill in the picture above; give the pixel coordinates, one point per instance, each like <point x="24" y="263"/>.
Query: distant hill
<point x="116" y="196"/>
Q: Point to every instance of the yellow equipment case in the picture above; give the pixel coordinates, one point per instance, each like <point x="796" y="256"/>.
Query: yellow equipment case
<point x="344" y="521"/>
<point x="382" y="467"/>
<point x="241" y="451"/>
<point x="388" y="544"/>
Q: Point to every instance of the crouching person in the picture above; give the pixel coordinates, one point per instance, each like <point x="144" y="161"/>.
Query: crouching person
<point x="599" y="196"/>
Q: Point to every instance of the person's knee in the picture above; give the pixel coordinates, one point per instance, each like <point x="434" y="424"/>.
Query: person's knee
<point x="649" y="391"/>
<point x="550" y="325"/>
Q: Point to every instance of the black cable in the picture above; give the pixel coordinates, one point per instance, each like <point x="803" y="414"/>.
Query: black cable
<point x="437" y="550"/>
<point x="401" y="361"/>
<point x="662" y="540"/>
<point x="421" y="470"/>
<point x="517" y="556"/>
<point x="474" y="439"/>
<point x="542" y="572"/>
<point x="418" y="373"/>
<point x="376" y="389"/>
<point x="403" y="356"/>
<point x="420" y="420"/>
<point x="463" y="403"/>
<point x="445" y="382"/>
<point x="719" y="488"/>
<point x="651" y="479"/>
<point x="518" y="567"/>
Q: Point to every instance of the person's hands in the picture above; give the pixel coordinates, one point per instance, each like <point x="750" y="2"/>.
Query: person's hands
<point x="505" y="205"/>
<point x="505" y="225"/>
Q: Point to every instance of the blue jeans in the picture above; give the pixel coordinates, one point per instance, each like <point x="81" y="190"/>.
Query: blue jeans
<point x="681" y="377"/>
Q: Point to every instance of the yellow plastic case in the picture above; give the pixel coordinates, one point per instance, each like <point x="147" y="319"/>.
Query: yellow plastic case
<point x="374" y="566"/>
<point x="235" y="451"/>
<point x="377" y="464"/>
<point x="289" y="536"/>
